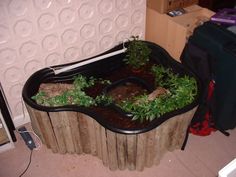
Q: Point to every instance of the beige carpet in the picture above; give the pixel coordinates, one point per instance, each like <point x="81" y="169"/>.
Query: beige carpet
<point x="203" y="157"/>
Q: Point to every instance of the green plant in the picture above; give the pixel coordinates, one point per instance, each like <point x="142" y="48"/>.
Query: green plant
<point x="40" y="97"/>
<point x="182" y="90"/>
<point x="137" y="53"/>
<point x="75" y="96"/>
<point x="103" y="100"/>
<point x="81" y="82"/>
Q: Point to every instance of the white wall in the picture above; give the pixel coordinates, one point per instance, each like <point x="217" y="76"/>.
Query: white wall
<point x="39" y="33"/>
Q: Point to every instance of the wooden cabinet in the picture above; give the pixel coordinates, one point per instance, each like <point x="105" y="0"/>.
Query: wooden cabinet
<point x="171" y="33"/>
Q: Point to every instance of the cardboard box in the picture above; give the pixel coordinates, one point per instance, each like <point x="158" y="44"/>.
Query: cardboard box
<point x="171" y="33"/>
<point x="164" y="6"/>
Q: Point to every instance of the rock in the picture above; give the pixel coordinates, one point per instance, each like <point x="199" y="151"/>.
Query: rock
<point x="52" y="89"/>
<point x="156" y="93"/>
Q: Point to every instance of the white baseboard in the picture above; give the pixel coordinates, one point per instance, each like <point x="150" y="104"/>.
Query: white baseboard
<point x="21" y="120"/>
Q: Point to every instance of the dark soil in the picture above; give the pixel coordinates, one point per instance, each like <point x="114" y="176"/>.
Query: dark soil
<point x="126" y="91"/>
<point x="117" y="119"/>
<point x="110" y="113"/>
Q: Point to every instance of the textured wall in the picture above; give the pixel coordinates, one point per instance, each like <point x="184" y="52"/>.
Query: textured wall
<point x="39" y="33"/>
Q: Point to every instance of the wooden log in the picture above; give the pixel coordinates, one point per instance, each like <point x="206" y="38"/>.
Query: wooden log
<point x="112" y="151"/>
<point x="77" y="132"/>
<point x="47" y="128"/>
<point x="164" y="137"/>
<point x="167" y="137"/>
<point x="168" y="132"/>
<point x="74" y="125"/>
<point x="141" y="151"/>
<point x="185" y="122"/>
<point x="34" y="122"/>
<point x="155" y="146"/>
<point x="104" y="146"/>
<point x="65" y="117"/>
<point x="159" y="145"/>
<point x="97" y="128"/>
<point x="42" y="128"/>
<point x="121" y="150"/>
<point x="182" y="122"/>
<point x="178" y="137"/>
<point x="131" y="151"/>
<point x="84" y="133"/>
<point x="150" y="151"/>
<point x="171" y="128"/>
<point x="57" y="128"/>
<point x="92" y="135"/>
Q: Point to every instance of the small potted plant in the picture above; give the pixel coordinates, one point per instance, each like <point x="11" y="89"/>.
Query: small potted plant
<point x="137" y="53"/>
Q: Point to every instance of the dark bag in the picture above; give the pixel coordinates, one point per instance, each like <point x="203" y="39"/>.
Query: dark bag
<point x="211" y="54"/>
<point x="202" y="65"/>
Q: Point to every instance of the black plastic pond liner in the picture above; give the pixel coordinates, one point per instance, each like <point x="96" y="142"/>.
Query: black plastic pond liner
<point x="101" y="69"/>
<point x="134" y="80"/>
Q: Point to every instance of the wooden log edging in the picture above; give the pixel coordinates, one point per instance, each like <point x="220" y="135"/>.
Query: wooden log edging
<point x="74" y="132"/>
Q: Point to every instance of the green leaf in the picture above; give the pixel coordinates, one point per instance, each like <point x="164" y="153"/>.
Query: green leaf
<point x="182" y="91"/>
<point x="137" y="54"/>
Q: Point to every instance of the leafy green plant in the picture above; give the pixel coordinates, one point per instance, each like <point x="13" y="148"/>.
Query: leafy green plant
<point x="40" y="97"/>
<point x="81" y="82"/>
<point x="137" y="53"/>
<point x="182" y="91"/>
<point x="75" y="96"/>
<point x="103" y="99"/>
